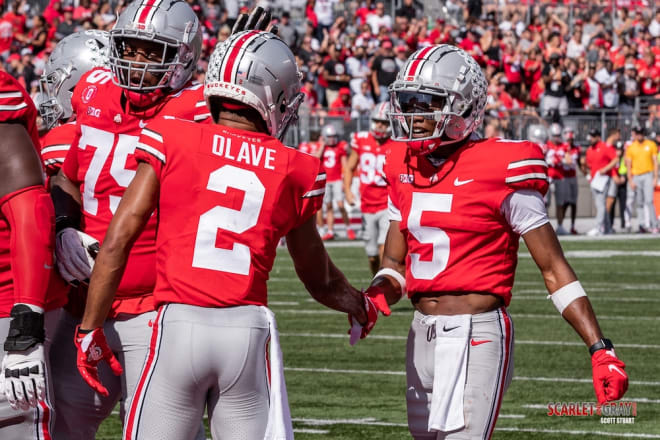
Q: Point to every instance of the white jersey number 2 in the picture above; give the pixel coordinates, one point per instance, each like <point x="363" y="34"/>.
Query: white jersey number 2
<point x="237" y="259"/>
<point x="425" y="202"/>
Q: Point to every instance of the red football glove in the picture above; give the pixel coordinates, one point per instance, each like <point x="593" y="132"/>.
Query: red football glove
<point x="610" y="379"/>
<point x="92" y="349"/>
<point x="374" y="302"/>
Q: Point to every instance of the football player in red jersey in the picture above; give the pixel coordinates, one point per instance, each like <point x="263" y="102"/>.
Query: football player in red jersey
<point x="334" y="161"/>
<point x="458" y="207"/>
<point x="223" y="205"/>
<point x="73" y="56"/>
<point x="154" y="48"/>
<point x="30" y="302"/>
<point x="368" y="151"/>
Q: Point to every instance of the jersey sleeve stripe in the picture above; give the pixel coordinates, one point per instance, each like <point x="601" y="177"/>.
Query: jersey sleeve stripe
<point x="201" y="117"/>
<point x="528" y="176"/>
<point x="152" y="134"/>
<point x="151" y="150"/>
<point x="7" y="95"/>
<point x="320" y="177"/>
<point x="53" y="161"/>
<point x="527" y="162"/>
<point x="55" y="147"/>
<point x="200" y="104"/>
<point x="13" y="108"/>
<point x="314" y="193"/>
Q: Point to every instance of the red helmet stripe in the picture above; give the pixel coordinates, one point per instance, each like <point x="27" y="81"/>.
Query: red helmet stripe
<point x="145" y="10"/>
<point x="231" y="59"/>
<point x="412" y="71"/>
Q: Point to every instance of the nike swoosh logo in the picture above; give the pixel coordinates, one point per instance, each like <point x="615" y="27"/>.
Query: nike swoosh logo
<point x="47" y="267"/>
<point x="142" y="124"/>
<point x="445" y="329"/>
<point x="615" y="368"/>
<point x="462" y="182"/>
<point x="475" y="343"/>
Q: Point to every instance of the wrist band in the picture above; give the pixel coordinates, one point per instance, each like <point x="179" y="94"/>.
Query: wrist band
<point x="394" y="274"/>
<point x="563" y="297"/>
<point x="602" y="344"/>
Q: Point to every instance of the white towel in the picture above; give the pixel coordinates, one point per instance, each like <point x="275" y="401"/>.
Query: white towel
<point x="279" y="416"/>
<point x="450" y="371"/>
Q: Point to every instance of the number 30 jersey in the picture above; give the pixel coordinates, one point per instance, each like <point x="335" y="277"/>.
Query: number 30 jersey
<point x="101" y="160"/>
<point x="226" y="198"/>
<point x="451" y="216"/>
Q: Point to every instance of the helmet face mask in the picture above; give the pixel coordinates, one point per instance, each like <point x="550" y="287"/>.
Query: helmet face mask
<point x="73" y="56"/>
<point x="438" y="98"/>
<point x="166" y="38"/>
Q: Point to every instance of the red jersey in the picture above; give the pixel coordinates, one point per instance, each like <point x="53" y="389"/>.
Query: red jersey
<point x="101" y="160"/>
<point x="332" y="160"/>
<point x="552" y="157"/>
<point x="563" y="160"/>
<point x="458" y="239"/>
<point x="309" y="148"/>
<point x="54" y="146"/>
<point x="226" y="198"/>
<point x="16" y="106"/>
<point x="598" y="156"/>
<point x="373" y="187"/>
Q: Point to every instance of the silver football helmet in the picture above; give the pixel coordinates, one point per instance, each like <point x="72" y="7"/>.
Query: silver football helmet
<point x="73" y="56"/>
<point x="441" y="83"/>
<point x="537" y="133"/>
<point x="555" y="130"/>
<point x="174" y="25"/>
<point x="257" y="69"/>
<point x="330" y="135"/>
<point x="380" y="114"/>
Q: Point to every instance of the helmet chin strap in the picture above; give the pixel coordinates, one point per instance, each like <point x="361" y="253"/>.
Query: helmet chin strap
<point x="142" y="100"/>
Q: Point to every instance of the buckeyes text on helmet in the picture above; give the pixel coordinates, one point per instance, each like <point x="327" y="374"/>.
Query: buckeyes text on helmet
<point x="257" y="69"/>
<point x="173" y="26"/>
<point x="72" y="57"/>
<point x="442" y="84"/>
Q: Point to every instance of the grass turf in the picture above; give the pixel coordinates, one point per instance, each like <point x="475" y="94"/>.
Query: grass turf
<point x="361" y="405"/>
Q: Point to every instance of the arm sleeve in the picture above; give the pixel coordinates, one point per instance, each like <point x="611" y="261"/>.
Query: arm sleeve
<point x="393" y="212"/>
<point x="528" y="170"/>
<point x="31" y="218"/>
<point x="524" y="210"/>
<point x="151" y="148"/>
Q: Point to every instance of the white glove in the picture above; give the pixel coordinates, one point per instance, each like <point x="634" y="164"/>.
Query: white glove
<point x="23" y="377"/>
<point x="75" y="252"/>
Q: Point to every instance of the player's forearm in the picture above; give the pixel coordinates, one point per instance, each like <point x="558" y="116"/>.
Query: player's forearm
<point x="580" y="315"/>
<point x="392" y="288"/>
<point x="66" y="201"/>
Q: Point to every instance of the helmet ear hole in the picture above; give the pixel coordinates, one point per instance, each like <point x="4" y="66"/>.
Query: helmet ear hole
<point x="455" y="127"/>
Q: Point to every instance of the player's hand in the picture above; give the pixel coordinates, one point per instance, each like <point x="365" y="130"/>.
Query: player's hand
<point x="23" y="377"/>
<point x="258" y="20"/>
<point x="609" y="376"/>
<point x="350" y="198"/>
<point x="374" y="302"/>
<point x="75" y="252"/>
<point x="92" y="349"/>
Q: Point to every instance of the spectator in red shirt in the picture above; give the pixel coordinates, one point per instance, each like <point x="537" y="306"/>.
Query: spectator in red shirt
<point x="601" y="159"/>
<point x="342" y="105"/>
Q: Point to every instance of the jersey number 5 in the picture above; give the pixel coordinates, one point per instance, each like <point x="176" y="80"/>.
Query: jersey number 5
<point x="237" y="259"/>
<point x="425" y="202"/>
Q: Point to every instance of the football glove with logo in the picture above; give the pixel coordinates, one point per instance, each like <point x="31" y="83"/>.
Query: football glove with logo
<point x="92" y="349"/>
<point x="23" y="378"/>
<point x="374" y="302"/>
<point x="75" y="252"/>
<point x="609" y="376"/>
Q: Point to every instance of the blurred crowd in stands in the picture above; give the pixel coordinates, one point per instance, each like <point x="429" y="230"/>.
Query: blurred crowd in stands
<point x="541" y="58"/>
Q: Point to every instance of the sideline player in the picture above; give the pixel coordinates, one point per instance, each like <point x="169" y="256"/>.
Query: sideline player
<point x="30" y="300"/>
<point x="458" y="207"/>
<point x="72" y="57"/>
<point x="154" y="48"/>
<point x="368" y="151"/>
<point x="334" y="162"/>
<point x="223" y="206"/>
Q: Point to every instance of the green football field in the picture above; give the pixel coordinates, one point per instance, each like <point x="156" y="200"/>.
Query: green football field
<point x="342" y="392"/>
